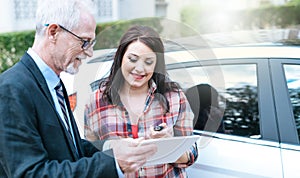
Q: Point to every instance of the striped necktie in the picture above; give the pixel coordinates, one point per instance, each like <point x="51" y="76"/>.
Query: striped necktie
<point x="61" y="101"/>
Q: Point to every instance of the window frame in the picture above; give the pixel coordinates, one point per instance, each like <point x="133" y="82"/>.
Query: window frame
<point x="285" y="116"/>
<point x="268" y="123"/>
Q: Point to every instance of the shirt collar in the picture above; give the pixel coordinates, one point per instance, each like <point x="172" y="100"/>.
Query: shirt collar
<point x="50" y="76"/>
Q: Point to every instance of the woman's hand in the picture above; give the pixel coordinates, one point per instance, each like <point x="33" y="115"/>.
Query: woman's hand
<point x="163" y="133"/>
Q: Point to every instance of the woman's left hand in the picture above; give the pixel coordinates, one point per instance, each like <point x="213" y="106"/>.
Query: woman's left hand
<point x="165" y="132"/>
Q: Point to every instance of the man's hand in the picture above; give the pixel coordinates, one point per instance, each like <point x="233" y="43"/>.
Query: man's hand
<point x="130" y="155"/>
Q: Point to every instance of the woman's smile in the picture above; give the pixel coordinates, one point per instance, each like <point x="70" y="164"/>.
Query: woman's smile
<point x="138" y="76"/>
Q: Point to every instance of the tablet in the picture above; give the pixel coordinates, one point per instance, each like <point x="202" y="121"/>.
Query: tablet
<point x="169" y="149"/>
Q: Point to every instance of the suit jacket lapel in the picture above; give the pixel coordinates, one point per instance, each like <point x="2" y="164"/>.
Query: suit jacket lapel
<point x="33" y="68"/>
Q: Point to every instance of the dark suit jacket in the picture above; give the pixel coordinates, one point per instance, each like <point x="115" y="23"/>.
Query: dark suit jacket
<point x="35" y="142"/>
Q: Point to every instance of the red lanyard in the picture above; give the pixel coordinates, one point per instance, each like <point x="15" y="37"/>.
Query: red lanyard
<point x="134" y="129"/>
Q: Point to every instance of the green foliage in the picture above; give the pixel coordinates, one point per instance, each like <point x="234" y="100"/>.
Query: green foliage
<point x="109" y="34"/>
<point x="197" y="17"/>
<point x="12" y="47"/>
<point x="264" y="17"/>
<point x="189" y="15"/>
<point x="278" y="16"/>
<point x="294" y="2"/>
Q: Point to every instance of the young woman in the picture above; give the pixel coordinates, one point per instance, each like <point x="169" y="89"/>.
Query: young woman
<point x="137" y="96"/>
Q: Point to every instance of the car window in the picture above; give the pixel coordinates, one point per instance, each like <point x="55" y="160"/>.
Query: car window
<point x="238" y="96"/>
<point x="293" y="82"/>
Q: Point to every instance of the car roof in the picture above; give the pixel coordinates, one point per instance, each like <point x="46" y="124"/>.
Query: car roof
<point x="207" y="53"/>
<point x="255" y="51"/>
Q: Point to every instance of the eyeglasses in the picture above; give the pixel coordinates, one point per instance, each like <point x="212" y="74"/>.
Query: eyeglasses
<point x="86" y="43"/>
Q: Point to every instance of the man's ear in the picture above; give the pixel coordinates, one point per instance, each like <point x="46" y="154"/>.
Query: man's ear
<point x="52" y="31"/>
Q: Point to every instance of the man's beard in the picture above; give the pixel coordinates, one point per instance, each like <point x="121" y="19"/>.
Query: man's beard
<point x="71" y="69"/>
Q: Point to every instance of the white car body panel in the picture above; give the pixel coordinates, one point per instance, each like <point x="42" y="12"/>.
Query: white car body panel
<point x="238" y="157"/>
<point x="290" y="156"/>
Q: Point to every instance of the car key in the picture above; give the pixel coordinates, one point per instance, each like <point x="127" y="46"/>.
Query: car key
<point x="158" y="128"/>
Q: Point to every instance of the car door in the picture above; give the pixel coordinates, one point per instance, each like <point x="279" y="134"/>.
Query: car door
<point x="286" y="81"/>
<point x="249" y="145"/>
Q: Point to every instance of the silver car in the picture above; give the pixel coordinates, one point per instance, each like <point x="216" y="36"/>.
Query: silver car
<point x="258" y="94"/>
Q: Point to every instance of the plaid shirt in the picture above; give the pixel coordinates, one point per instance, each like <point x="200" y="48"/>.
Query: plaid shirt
<point x="108" y="121"/>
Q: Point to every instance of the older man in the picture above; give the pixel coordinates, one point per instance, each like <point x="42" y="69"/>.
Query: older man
<point x="40" y="136"/>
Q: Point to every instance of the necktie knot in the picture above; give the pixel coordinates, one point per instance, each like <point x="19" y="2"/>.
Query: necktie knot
<point x="58" y="86"/>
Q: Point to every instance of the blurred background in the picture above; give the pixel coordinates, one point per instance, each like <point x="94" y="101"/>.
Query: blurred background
<point x="206" y="16"/>
<point x="219" y="22"/>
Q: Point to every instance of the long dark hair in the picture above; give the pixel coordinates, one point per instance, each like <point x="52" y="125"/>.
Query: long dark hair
<point x="115" y="80"/>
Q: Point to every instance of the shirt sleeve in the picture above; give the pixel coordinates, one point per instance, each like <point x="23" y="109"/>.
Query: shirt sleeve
<point x="120" y="173"/>
<point x="184" y="127"/>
